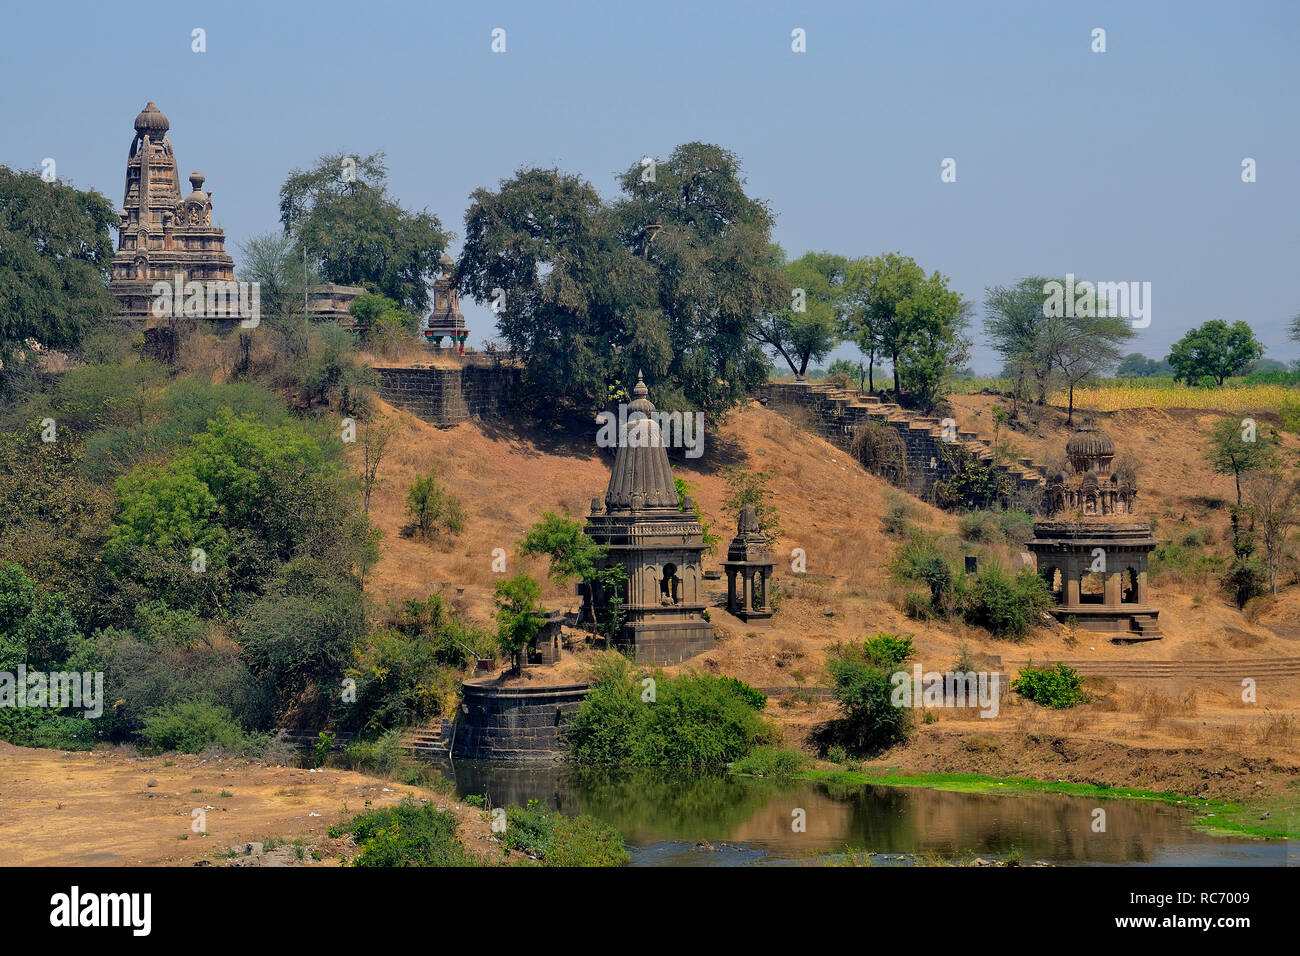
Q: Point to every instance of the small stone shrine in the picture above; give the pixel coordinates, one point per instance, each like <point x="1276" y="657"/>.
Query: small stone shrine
<point x="1091" y="549"/>
<point x="750" y="559"/>
<point x="446" y="320"/>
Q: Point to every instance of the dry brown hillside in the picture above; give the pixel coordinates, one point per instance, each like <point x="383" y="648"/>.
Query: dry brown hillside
<point x="506" y="475"/>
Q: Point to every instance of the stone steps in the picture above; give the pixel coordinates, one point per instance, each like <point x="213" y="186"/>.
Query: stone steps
<point x="839" y="411"/>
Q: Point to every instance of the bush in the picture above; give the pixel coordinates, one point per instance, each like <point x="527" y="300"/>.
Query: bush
<point x="694" y="721"/>
<point x="769" y="762"/>
<point x="433" y="510"/>
<point x="409" y="834"/>
<point x="1056" y="686"/>
<point x="868" y="722"/>
<point x="191" y="727"/>
<point x="558" y="840"/>
<point x="1008" y="606"/>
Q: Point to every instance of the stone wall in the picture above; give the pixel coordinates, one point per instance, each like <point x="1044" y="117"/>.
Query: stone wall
<point x="515" y="723"/>
<point x="445" y="396"/>
<point x="834" y="413"/>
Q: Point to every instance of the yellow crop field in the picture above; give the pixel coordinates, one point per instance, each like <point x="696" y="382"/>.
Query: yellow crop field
<point x="1163" y="393"/>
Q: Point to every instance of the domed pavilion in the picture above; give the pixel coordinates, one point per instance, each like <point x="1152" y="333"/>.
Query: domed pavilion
<point x="1091" y="548"/>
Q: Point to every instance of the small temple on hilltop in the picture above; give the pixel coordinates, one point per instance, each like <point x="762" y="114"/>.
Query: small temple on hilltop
<point x="446" y="320"/>
<point x="1091" y="548"/>
<point x="163" y="233"/>
<point x="660" y="546"/>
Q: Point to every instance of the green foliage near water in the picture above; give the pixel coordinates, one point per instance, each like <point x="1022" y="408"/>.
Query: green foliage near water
<point x="408" y="834"/>
<point x="555" y="839"/>
<point x="868" y="721"/>
<point x="690" y="721"/>
<point x="191" y="727"/>
<point x="1057" y="685"/>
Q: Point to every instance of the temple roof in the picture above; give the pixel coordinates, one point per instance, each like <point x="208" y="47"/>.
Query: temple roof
<point x="641" y="468"/>
<point x="151" y="122"/>
<point x="1090" y="448"/>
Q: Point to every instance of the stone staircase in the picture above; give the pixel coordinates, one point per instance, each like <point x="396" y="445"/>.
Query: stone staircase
<point x="834" y="413"/>
<point x="430" y="741"/>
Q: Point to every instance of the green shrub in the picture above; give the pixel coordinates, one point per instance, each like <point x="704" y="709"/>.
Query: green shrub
<point x="769" y="762"/>
<point x="1008" y="606"/>
<point x="559" y="840"/>
<point x="433" y="510"/>
<point x="191" y="727"/>
<point x="408" y="834"/>
<point x="694" y="721"/>
<point x="1055" y="686"/>
<point x="980" y="526"/>
<point x="868" y="722"/>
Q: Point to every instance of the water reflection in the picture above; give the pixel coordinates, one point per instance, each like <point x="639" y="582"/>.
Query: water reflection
<point x="663" y="815"/>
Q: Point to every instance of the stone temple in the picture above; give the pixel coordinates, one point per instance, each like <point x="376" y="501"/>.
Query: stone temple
<point x="1091" y="549"/>
<point x="163" y="232"/>
<point x="445" y="320"/>
<point x="660" y="546"/>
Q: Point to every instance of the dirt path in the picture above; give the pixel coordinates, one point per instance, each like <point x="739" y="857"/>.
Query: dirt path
<point x="110" y="807"/>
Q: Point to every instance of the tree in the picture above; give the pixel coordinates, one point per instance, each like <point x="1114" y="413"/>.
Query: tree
<point x="896" y="312"/>
<point x="807" y="327"/>
<point x="707" y="242"/>
<point x="1083" y="346"/>
<point x="1215" y="349"/>
<point x="1235" y="448"/>
<point x="1137" y="365"/>
<point x="356" y="234"/>
<point x="433" y="509"/>
<point x="1274" y="502"/>
<point x="275" y="263"/>
<point x="55" y="259"/>
<point x="570" y="298"/>
<point x="1016" y="324"/>
<point x="519" y="616"/>
<point x="374" y="445"/>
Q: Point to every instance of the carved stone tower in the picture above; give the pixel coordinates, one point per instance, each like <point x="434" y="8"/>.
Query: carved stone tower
<point x="446" y="318"/>
<point x="164" y="234"/>
<point x="659" y="546"/>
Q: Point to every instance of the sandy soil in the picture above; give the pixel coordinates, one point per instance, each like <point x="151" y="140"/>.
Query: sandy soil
<point x="109" y="807"/>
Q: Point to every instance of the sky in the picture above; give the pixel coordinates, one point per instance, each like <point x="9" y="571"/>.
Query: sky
<point x="1123" y="165"/>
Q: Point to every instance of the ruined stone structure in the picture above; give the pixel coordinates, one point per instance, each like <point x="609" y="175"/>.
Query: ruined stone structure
<point x="928" y="447"/>
<point x="476" y="388"/>
<point x="1091" y="549"/>
<point x="163" y="233"/>
<point x="750" y="559"/>
<point x="660" y="547"/>
<point x="446" y="320"/>
<point x="330" y="302"/>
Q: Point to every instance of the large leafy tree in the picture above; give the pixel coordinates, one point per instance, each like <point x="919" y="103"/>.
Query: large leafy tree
<point x="1015" y="323"/>
<point x="569" y="297"/>
<point x="1215" y="349"/>
<point x="55" y="259"/>
<point x="707" y="241"/>
<point x="807" y="327"/>
<point x="897" y="312"/>
<point x="355" y="233"/>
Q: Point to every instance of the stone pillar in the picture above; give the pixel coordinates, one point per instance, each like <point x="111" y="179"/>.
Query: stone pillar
<point x="749" y="589"/>
<point x="731" y="589"/>
<point x="1113" y="593"/>
<point x="1071" y="583"/>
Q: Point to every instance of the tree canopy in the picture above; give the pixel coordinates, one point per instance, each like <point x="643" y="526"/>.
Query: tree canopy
<point x="1215" y="350"/>
<point x="55" y="259"/>
<point x="356" y="234"/>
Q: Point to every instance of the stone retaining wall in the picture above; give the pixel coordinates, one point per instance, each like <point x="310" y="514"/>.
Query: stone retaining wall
<point x="445" y="396"/>
<point x="516" y="723"/>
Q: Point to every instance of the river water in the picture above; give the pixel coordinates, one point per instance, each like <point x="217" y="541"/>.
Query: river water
<point x="714" y="820"/>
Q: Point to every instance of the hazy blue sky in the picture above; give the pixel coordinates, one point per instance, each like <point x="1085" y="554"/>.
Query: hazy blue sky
<point x="1123" y="165"/>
